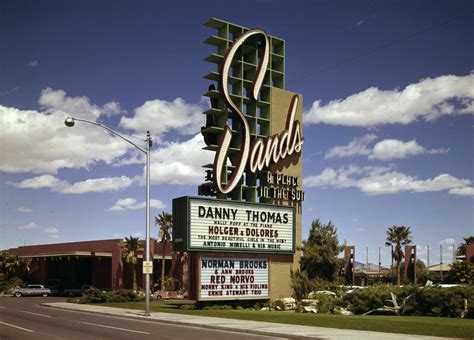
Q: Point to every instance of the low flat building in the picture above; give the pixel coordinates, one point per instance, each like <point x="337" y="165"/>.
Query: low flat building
<point x="98" y="263"/>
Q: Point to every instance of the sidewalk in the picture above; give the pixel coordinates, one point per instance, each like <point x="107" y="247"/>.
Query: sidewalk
<point x="241" y="326"/>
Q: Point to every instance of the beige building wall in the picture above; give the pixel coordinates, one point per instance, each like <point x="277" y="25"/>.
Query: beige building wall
<point x="280" y="265"/>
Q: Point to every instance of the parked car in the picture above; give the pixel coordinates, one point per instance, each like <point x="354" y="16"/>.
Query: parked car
<point x="31" y="290"/>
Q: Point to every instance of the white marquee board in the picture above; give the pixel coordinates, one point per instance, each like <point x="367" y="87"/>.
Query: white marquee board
<point x="233" y="278"/>
<point x="236" y="226"/>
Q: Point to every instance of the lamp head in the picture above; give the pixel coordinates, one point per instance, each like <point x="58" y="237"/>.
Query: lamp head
<point x="69" y="122"/>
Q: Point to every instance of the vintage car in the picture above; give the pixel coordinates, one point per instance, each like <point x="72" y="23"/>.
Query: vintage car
<point x="31" y="290"/>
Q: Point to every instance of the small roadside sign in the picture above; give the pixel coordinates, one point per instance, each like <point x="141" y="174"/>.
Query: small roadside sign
<point x="147" y="267"/>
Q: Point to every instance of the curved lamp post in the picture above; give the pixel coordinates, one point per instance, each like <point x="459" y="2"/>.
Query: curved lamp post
<point x="69" y="122"/>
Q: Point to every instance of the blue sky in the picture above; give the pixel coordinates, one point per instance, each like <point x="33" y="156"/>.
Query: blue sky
<point x="387" y="88"/>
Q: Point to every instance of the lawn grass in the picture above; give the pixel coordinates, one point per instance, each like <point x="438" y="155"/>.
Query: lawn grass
<point x="418" y="325"/>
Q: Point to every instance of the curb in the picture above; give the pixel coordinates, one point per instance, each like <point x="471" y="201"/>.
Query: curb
<point x="182" y="323"/>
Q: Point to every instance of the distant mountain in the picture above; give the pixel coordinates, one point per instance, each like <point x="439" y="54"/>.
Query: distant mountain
<point x="359" y="266"/>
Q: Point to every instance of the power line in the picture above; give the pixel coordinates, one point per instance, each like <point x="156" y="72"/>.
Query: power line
<point x="382" y="46"/>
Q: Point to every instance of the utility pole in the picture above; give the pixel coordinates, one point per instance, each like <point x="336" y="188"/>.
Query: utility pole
<point x="428" y="256"/>
<point x="367" y="255"/>
<point x="441" y="261"/>
<point x="380" y="262"/>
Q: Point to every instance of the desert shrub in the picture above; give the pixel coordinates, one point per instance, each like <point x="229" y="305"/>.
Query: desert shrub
<point x="422" y="301"/>
<point x="111" y="298"/>
<point x="301" y="284"/>
<point x="325" y="303"/>
<point x="438" y="301"/>
<point x="278" y="304"/>
<point x="217" y="307"/>
<point x="188" y="307"/>
<point x="93" y="295"/>
<point x="364" y="300"/>
<point x="6" y="285"/>
<point x="123" y="295"/>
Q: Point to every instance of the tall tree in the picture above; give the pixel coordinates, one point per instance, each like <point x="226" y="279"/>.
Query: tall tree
<point x="12" y="265"/>
<point x="130" y="247"/>
<point x="165" y="223"/>
<point x="461" y="250"/>
<point x="320" y="252"/>
<point x="398" y="236"/>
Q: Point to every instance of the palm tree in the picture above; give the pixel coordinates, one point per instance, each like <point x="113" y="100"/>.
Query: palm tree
<point x="129" y="248"/>
<point x="165" y="222"/>
<point x="398" y="236"/>
<point x="11" y="265"/>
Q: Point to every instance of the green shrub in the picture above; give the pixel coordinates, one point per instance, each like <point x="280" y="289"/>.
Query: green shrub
<point x="188" y="307"/>
<point x="437" y="301"/>
<point x="6" y="285"/>
<point x="111" y="298"/>
<point x="422" y="301"/>
<point x="123" y="295"/>
<point x="217" y="307"/>
<point x="93" y="295"/>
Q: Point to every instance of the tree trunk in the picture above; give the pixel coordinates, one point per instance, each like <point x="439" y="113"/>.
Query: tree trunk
<point x="134" y="277"/>
<point x="162" y="283"/>
<point x="398" y="274"/>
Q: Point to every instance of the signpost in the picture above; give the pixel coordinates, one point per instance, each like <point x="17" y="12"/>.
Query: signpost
<point x="147" y="267"/>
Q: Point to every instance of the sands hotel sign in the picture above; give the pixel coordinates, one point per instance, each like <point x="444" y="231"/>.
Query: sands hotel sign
<point x="254" y="128"/>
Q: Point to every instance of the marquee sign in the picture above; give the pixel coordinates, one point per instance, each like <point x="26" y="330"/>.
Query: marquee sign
<point x="221" y="225"/>
<point x="233" y="278"/>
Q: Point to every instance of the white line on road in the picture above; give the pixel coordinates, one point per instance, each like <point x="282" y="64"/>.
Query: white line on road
<point x="120" y="329"/>
<point x="2" y="307"/>
<point x="43" y="315"/>
<point x="23" y="329"/>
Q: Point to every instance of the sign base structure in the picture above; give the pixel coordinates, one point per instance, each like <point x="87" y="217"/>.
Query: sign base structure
<point x="242" y="242"/>
<point x="238" y="250"/>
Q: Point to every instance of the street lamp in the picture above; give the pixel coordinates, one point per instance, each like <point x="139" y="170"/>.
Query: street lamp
<point x="69" y="122"/>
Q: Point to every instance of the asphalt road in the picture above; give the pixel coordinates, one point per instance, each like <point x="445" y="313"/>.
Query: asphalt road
<point x="23" y="318"/>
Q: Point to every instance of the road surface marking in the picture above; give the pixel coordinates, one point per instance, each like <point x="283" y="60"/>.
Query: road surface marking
<point x="23" y="329"/>
<point x="43" y="315"/>
<point x="120" y="329"/>
<point x="2" y="307"/>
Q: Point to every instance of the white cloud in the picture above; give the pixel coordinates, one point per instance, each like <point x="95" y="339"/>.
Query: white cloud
<point x="383" y="180"/>
<point x="47" y="145"/>
<point x="447" y="241"/>
<point x="132" y="204"/>
<point x="29" y="226"/>
<point x="54" y="101"/>
<point x="427" y="99"/>
<point x="64" y="187"/>
<point x="24" y="210"/>
<point x="160" y="116"/>
<point x="180" y="162"/>
<point x="357" y="147"/>
<point x="50" y="231"/>
<point x="33" y="63"/>
<point x="387" y="149"/>
<point x="465" y="191"/>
